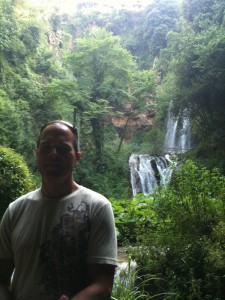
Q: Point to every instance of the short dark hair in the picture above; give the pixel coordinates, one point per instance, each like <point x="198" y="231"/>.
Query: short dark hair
<point x="67" y="124"/>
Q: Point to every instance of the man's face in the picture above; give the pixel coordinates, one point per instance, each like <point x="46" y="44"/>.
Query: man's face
<point x="55" y="154"/>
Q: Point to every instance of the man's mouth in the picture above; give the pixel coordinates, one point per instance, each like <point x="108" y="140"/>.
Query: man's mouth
<point x="52" y="164"/>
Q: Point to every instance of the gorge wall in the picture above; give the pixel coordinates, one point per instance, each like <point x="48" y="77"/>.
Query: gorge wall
<point x="126" y="124"/>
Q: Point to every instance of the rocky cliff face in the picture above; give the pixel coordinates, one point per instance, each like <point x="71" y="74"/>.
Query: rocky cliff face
<point x="127" y="125"/>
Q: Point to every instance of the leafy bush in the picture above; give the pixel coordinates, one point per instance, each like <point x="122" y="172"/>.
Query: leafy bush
<point x="15" y="177"/>
<point x="131" y="214"/>
<point x="183" y="245"/>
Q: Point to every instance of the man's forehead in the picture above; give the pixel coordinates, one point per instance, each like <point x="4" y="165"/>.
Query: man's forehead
<point x="56" y="127"/>
<point x="56" y="132"/>
<point x="52" y="140"/>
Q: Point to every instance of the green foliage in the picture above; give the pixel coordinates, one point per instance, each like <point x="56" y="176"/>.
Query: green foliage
<point x="149" y="142"/>
<point x="8" y="126"/>
<point x="165" y="92"/>
<point x="102" y="69"/>
<point x="110" y="176"/>
<point x="203" y="13"/>
<point x="16" y="125"/>
<point x="52" y="63"/>
<point x="128" y="285"/>
<point x="49" y="68"/>
<point x="30" y="38"/>
<point x="182" y="244"/>
<point x="130" y="215"/>
<point x="143" y="86"/>
<point x="10" y="123"/>
<point x="15" y="178"/>
<point x="194" y="81"/>
<point x="128" y="25"/>
<point x="9" y="40"/>
<point x="161" y="17"/>
<point x="101" y="66"/>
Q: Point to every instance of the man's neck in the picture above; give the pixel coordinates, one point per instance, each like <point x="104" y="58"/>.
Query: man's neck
<point x="56" y="189"/>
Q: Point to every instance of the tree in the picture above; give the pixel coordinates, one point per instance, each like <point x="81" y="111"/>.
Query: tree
<point x="161" y="17"/>
<point x="102" y="69"/>
<point x="198" y="13"/>
<point x="203" y="13"/>
<point x="143" y="87"/>
<point x="127" y="25"/>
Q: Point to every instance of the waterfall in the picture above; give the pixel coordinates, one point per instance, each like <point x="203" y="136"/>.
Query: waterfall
<point x="178" y="133"/>
<point x="171" y="130"/>
<point x="148" y="172"/>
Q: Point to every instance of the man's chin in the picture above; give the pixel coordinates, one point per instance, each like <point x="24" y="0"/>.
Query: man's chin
<point x="52" y="172"/>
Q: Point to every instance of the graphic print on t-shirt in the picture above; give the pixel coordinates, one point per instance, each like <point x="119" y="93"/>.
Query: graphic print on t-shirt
<point x="63" y="256"/>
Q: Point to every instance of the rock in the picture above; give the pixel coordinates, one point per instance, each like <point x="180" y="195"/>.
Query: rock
<point x="131" y="124"/>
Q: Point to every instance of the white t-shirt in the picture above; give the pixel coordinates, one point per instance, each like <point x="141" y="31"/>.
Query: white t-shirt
<point x="53" y="240"/>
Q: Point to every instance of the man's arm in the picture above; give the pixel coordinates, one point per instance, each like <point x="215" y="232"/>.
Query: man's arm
<point x="6" y="270"/>
<point x="101" y="278"/>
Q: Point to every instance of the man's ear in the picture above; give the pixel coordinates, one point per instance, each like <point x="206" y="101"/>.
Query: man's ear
<point x="78" y="155"/>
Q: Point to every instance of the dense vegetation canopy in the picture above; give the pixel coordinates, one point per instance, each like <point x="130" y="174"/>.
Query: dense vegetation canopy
<point x="93" y="69"/>
<point x="91" y="66"/>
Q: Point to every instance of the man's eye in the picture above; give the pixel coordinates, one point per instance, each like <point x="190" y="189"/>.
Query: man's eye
<point x="45" y="148"/>
<point x="62" y="150"/>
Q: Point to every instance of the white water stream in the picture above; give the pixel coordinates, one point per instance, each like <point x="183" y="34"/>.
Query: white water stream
<point x="125" y="272"/>
<point x="149" y="172"/>
<point x="178" y="133"/>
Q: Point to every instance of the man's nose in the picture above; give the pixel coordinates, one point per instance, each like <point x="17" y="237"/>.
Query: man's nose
<point x="53" y="151"/>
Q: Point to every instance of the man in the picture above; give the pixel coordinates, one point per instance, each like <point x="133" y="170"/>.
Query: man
<point x="60" y="239"/>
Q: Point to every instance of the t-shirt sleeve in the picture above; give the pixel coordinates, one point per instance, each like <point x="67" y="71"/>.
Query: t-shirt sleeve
<point x="5" y="237"/>
<point x="103" y="243"/>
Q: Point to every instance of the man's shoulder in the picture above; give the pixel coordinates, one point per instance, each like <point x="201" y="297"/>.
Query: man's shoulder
<point x="93" y="196"/>
<point x="33" y="195"/>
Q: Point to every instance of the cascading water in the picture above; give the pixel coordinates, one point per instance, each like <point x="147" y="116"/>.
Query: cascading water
<point x="148" y="172"/>
<point x="178" y="133"/>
